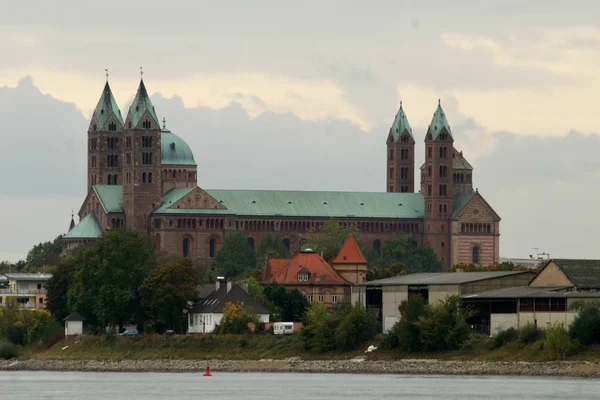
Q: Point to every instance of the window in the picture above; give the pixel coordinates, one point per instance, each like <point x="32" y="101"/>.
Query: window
<point x="428" y="190"/>
<point x="442" y="242"/>
<point x="321" y="298"/>
<point x="93" y="161"/>
<point x="128" y="141"/>
<point x="443" y="171"/>
<point x="391" y="154"/>
<point x="157" y="223"/>
<point x="391" y="188"/>
<point x="94" y="144"/>
<point x="286" y="243"/>
<point x="442" y="190"/>
<point x="429" y="151"/>
<point x="111" y="143"/>
<point x="251" y="242"/>
<point x="303" y="276"/>
<point x="146" y="158"/>
<point x="334" y="298"/>
<point x="146" y="141"/>
<point x="429" y="170"/>
<point x="112" y="127"/>
<point x="112" y="160"/>
<point x="174" y="174"/>
<point x="143" y="177"/>
<point x="391" y="173"/>
<point x="211" y="248"/>
<point x="475" y="255"/>
<point x="149" y="177"/>
<point x="146" y="124"/>
<point x="128" y="158"/>
<point x="186" y="247"/>
<point x="377" y="246"/>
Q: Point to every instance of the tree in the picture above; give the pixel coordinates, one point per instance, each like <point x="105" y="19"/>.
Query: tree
<point x="404" y="249"/>
<point x="585" y="328"/>
<point x="405" y="334"/>
<point x="328" y="239"/>
<point x="166" y="291"/>
<point x="44" y="254"/>
<point x="389" y="271"/>
<point x="356" y="328"/>
<point x="444" y="325"/>
<point x="318" y="330"/>
<point x="57" y="288"/>
<point x="291" y="304"/>
<point x="236" y="318"/>
<point x="271" y="247"/>
<point x="236" y="257"/>
<point x="107" y="277"/>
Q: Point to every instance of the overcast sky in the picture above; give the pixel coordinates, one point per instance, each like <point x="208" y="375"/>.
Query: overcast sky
<point x="300" y="95"/>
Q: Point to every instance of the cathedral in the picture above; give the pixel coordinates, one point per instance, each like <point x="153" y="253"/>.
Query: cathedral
<point x="143" y="177"/>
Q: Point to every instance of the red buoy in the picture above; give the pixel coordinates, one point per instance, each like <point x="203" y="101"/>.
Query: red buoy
<point x="207" y="372"/>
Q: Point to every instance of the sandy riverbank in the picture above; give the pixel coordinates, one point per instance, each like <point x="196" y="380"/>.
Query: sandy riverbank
<point x="567" y="368"/>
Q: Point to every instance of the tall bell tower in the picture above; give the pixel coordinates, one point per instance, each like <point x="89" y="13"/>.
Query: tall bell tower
<point x="142" y="181"/>
<point x="400" y="155"/>
<point x="438" y="185"/>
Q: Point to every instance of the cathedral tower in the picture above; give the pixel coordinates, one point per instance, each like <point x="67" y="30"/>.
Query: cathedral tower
<point x="438" y="185"/>
<point x="105" y="144"/>
<point x="400" y="156"/>
<point x="142" y="182"/>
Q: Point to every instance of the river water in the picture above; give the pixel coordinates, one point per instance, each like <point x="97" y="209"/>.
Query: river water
<point x="282" y="386"/>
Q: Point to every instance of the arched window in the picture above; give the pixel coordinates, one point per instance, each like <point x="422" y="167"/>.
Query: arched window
<point x="149" y="177"/>
<point x="251" y="242"/>
<point x="109" y="179"/>
<point x="186" y="247"/>
<point x="174" y="174"/>
<point x="143" y="177"/>
<point x="286" y="243"/>
<point x="377" y="246"/>
<point x="211" y="248"/>
<point x="475" y="255"/>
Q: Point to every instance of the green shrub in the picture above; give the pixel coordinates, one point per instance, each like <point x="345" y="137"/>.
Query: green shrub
<point x="505" y="336"/>
<point x="557" y="343"/>
<point x="585" y="329"/>
<point x="529" y="333"/>
<point x="8" y="351"/>
<point x="355" y="328"/>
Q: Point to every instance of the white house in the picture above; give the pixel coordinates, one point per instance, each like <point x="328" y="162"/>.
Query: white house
<point x="207" y="313"/>
<point x="73" y="324"/>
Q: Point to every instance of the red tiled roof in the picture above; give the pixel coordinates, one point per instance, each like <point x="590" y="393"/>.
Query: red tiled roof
<point x="350" y="253"/>
<point x="274" y="266"/>
<point x="319" y="272"/>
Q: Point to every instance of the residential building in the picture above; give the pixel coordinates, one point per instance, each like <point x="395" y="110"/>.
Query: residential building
<point x="547" y="299"/>
<point x="314" y="277"/>
<point x="384" y="296"/>
<point x="208" y="312"/>
<point x="142" y="176"/>
<point x="25" y="290"/>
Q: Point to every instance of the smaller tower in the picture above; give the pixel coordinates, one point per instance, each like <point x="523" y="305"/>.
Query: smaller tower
<point x="438" y="185"/>
<point x="142" y="182"/>
<point x="350" y="262"/>
<point x="400" y="155"/>
<point x="105" y="155"/>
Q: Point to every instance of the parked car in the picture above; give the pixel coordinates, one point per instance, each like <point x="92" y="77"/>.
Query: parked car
<point x="169" y="332"/>
<point x="130" y="333"/>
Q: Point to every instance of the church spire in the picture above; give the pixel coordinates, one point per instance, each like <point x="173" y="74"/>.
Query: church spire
<point x="106" y="112"/>
<point x="400" y="125"/>
<point x="141" y="106"/>
<point x="439" y="122"/>
<point x="72" y="224"/>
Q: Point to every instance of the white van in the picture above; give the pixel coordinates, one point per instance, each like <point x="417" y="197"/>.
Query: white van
<point x="283" y="328"/>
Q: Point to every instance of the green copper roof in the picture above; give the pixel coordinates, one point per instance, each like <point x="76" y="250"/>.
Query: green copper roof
<point x="106" y="107"/>
<point x="439" y="122"/>
<point x="72" y="224"/>
<point x="111" y="197"/>
<point x="174" y="150"/>
<point x="287" y="203"/>
<point x="140" y="105"/>
<point x="460" y="202"/>
<point x="400" y="125"/>
<point x="87" y="228"/>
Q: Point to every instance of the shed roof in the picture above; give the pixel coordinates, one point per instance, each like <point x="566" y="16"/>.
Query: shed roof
<point x="530" y="292"/>
<point x="442" y="278"/>
<point x="74" y="317"/>
<point x="582" y="273"/>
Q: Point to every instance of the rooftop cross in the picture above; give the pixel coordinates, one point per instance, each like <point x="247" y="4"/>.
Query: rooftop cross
<point x="142" y="72"/>
<point x="439" y="102"/>
<point x="106" y="71"/>
<point x="164" y="123"/>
